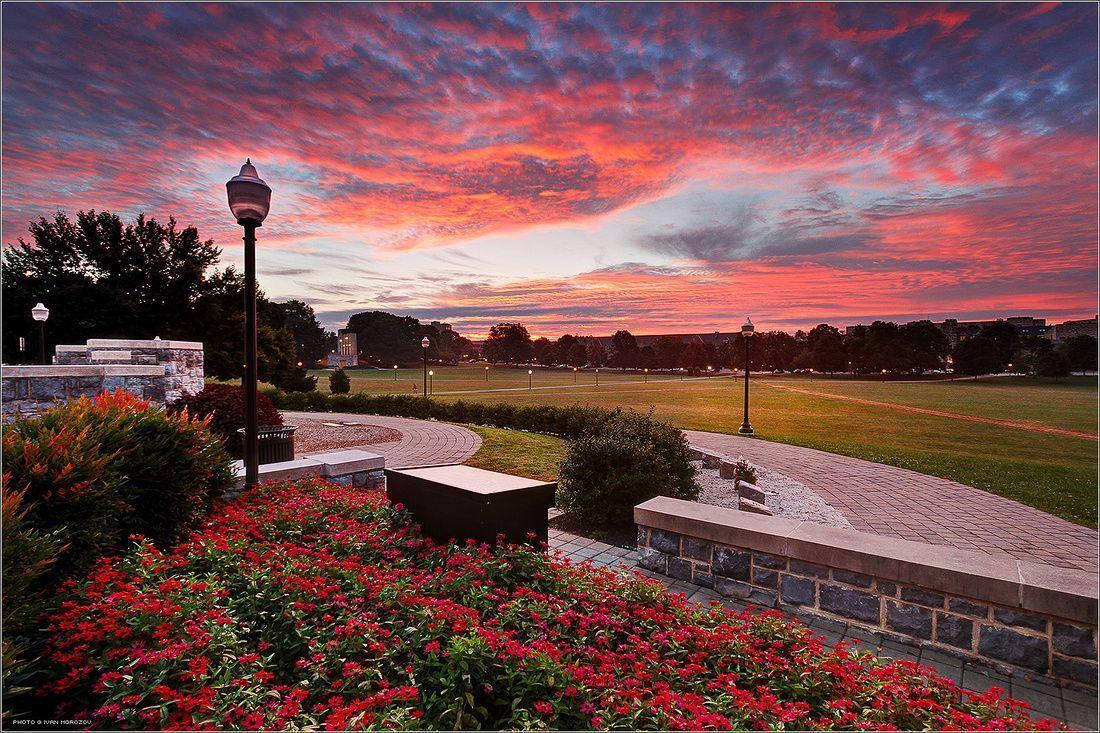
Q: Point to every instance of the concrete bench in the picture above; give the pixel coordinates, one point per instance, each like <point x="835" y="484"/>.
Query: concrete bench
<point x="463" y="502"/>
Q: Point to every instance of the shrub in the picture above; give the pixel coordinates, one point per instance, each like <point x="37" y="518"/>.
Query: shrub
<point x="338" y="382"/>
<point x="223" y="404"/>
<point x="744" y="471"/>
<point x="621" y="461"/>
<point x="315" y="606"/>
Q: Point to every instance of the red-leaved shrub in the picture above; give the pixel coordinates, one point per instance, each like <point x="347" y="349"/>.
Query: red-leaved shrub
<point x="317" y="606"/>
<point x="223" y="404"/>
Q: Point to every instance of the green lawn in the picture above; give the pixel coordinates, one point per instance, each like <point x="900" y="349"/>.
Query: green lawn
<point x="1053" y="472"/>
<point x="522" y="454"/>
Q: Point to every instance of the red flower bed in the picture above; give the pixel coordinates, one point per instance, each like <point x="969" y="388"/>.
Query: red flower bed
<point x="315" y="605"/>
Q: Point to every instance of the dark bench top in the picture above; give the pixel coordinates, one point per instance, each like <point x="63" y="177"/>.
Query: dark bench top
<point x="473" y="480"/>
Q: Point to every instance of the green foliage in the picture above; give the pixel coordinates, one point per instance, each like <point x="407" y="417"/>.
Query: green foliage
<point x="622" y="461"/>
<point x="979" y="355"/>
<point x="744" y="471"/>
<point x="338" y="382"/>
<point x="1081" y="352"/>
<point x="507" y="343"/>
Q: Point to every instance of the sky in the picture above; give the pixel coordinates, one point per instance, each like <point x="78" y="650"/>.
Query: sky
<point x="583" y="168"/>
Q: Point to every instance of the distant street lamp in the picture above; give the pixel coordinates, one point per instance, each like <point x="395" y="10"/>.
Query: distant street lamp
<point x="574" y="375"/>
<point x="486" y="375"/>
<point x="529" y="378"/>
<point x="746" y="335"/>
<point x="40" y="313"/>
<point x="249" y="200"/>
<point x="884" y="375"/>
<point x="645" y="378"/>
<point x="597" y="376"/>
<point x="395" y="372"/>
<point x="424" y="344"/>
<point x="431" y="381"/>
<point x="22" y="348"/>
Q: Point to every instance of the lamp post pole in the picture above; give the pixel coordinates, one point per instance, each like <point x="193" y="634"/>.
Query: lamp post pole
<point x="249" y="200"/>
<point x="40" y="313"/>
<point x="746" y="334"/>
<point x="424" y="345"/>
<point x="395" y="372"/>
<point x="431" y="380"/>
<point x="529" y="377"/>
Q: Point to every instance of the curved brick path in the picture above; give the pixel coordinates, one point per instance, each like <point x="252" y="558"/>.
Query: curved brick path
<point x="423" y="442"/>
<point x="897" y="502"/>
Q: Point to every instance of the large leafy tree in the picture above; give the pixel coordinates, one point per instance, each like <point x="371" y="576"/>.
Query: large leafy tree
<point x="976" y="356"/>
<point x="1081" y="352"/>
<point x="507" y="343"/>
<point x="826" y="349"/>
<point x="384" y="338"/>
<point x="103" y="278"/>
<point x="624" y="350"/>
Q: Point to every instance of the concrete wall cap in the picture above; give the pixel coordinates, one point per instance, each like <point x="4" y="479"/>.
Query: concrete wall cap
<point x="1066" y="593"/>
<point x="343" y="462"/>
<point x="142" y="344"/>
<point x="83" y="370"/>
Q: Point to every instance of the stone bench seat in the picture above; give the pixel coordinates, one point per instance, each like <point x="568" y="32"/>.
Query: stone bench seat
<point x="463" y="502"/>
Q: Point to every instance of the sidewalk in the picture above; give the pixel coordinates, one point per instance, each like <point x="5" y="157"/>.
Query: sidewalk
<point x="1050" y="700"/>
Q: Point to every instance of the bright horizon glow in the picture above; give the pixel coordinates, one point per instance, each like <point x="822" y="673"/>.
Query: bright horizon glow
<point x="586" y="168"/>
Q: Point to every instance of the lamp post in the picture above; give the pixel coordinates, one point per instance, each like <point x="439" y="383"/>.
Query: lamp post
<point x="22" y="349"/>
<point x="424" y="343"/>
<point x="529" y="378"/>
<point x="395" y="372"/>
<point x="645" y="378"/>
<point x="884" y="375"/>
<point x="597" y="376"/>
<point x="249" y="200"/>
<point x="486" y="375"/>
<point x="746" y="335"/>
<point x="574" y="375"/>
<point x="431" y="380"/>
<point x="40" y="313"/>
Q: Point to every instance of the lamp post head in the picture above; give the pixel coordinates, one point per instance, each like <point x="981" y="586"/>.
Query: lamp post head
<point x="747" y="328"/>
<point x="394" y="366"/>
<point x="249" y="196"/>
<point x="424" y="342"/>
<point x="431" y="372"/>
<point x="40" y="312"/>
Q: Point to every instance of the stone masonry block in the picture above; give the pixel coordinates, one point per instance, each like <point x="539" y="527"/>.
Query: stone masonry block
<point x="809" y="569"/>
<point x="954" y="630"/>
<point x="1010" y="646"/>
<point x="886" y="589"/>
<point x="797" y="591"/>
<point x="1019" y="619"/>
<point x="727" y="469"/>
<point x="702" y="578"/>
<point x="651" y="559"/>
<point x="679" y="568"/>
<point x="731" y="563"/>
<point x="696" y="549"/>
<point x="764" y="560"/>
<point x="968" y="608"/>
<point x="923" y="597"/>
<point x="643" y="536"/>
<point x="847" y="576"/>
<point x="853" y="604"/>
<point x="1074" y="641"/>
<point x="666" y="542"/>
<point x="733" y="588"/>
<point x="765" y="578"/>
<point x="1076" y="670"/>
<point x="909" y="619"/>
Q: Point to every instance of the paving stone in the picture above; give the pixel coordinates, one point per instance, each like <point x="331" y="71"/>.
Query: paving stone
<point x="1081" y="717"/>
<point x="731" y="563"/>
<point x="797" y="591"/>
<point x="1074" y="641"/>
<point x="727" y="587"/>
<point x="909" y="619"/>
<point x="954" y="630"/>
<point x="1013" y="647"/>
<point x="764" y="598"/>
<point x="849" y="603"/>
<point x="1020" y="619"/>
<point x="704" y="579"/>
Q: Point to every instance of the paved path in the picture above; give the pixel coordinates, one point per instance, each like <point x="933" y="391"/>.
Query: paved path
<point x="423" y="442"/>
<point x="1049" y="699"/>
<point x="914" y="506"/>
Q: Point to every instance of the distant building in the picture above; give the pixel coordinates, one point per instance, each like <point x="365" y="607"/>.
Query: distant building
<point x="347" y="349"/>
<point x="956" y="330"/>
<point x="1063" y="331"/>
<point x="440" y="326"/>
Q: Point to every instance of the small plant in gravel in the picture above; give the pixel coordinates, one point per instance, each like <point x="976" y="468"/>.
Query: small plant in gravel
<point x="317" y="606"/>
<point x="744" y="471"/>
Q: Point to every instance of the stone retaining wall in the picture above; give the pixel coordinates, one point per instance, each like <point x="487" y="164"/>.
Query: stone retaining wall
<point x="352" y="467"/>
<point x="162" y="371"/>
<point x="1015" y="614"/>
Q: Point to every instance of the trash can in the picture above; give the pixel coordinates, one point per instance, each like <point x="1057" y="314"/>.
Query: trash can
<point x="276" y="443"/>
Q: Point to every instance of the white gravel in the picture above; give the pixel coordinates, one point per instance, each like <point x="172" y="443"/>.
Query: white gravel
<point x="796" y="500"/>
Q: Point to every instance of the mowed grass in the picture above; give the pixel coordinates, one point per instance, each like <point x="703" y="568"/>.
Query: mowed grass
<point x="1056" y="473"/>
<point x="522" y="454"/>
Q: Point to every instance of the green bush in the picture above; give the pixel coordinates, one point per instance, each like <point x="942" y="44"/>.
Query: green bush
<point x="338" y="382"/>
<point x="620" y="462"/>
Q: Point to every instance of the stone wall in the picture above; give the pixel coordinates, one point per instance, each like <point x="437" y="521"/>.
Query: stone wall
<point x="162" y="371"/>
<point x="352" y="467"/>
<point x="1014" y="614"/>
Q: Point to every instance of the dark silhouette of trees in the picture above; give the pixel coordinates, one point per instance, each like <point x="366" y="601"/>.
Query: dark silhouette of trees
<point x="1053" y="364"/>
<point x="668" y="350"/>
<point x="976" y="356"/>
<point x="595" y="352"/>
<point x="543" y="351"/>
<point x="1081" y="352"/>
<point x="508" y="343"/>
<point x="928" y="346"/>
<point x="825" y="349"/>
<point x="694" y="356"/>
<point x="624" y="350"/>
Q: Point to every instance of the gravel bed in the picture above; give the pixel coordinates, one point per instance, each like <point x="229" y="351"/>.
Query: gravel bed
<point x="797" y="501"/>
<point x="317" y="435"/>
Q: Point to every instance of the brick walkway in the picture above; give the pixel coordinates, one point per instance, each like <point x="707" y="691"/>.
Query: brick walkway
<point x="1049" y="700"/>
<point x="897" y="502"/>
<point x="422" y="443"/>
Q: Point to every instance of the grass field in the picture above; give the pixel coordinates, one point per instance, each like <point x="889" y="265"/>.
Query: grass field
<point x="1053" y="472"/>
<point x="518" y="453"/>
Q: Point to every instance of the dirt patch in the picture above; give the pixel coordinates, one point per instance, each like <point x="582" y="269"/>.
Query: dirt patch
<point x="318" y="435"/>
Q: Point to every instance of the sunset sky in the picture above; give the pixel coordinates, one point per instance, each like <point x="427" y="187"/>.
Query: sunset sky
<point x="583" y="168"/>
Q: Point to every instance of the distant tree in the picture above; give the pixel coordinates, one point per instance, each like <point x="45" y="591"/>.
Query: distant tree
<point x="694" y="357"/>
<point x="775" y="350"/>
<point x="825" y="348"/>
<point x="543" y="350"/>
<point x="384" y="338"/>
<point x="1081" y="352"/>
<point x="1029" y="350"/>
<point x="1053" y="364"/>
<point x="730" y="352"/>
<point x="928" y="346"/>
<point x="668" y="350"/>
<point x="977" y="356"/>
<point x="647" y="357"/>
<point x="570" y="351"/>
<point x="624" y="350"/>
<point x="310" y="338"/>
<point x="507" y="343"/>
<point x="1005" y="337"/>
<point x="595" y="352"/>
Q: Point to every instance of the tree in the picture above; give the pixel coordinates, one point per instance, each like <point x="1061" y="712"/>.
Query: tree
<point x="102" y="278"/>
<point x="1029" y="350"/>
<point x="1080" y="350"/>
<point x="383" y="338"/>
<point x="595" y="352"/>
<point x="668" y="350"/>
<point x="825" y="347"/>
<point x="624" y="350"/>
<point x="1005" y="337"/>
<point x="775" y="350"/>
<point x="694" y="357"/>
<point x="571" y="351"/>
<point x="543" y="350"/>
<point x="1053" y="364"/>
<point x="338" y="382"/>
<point x="310" y="338"/>
<point x="977" y="356"/>
<point x="928" y="345"/>
<point x="507" y="343"/>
